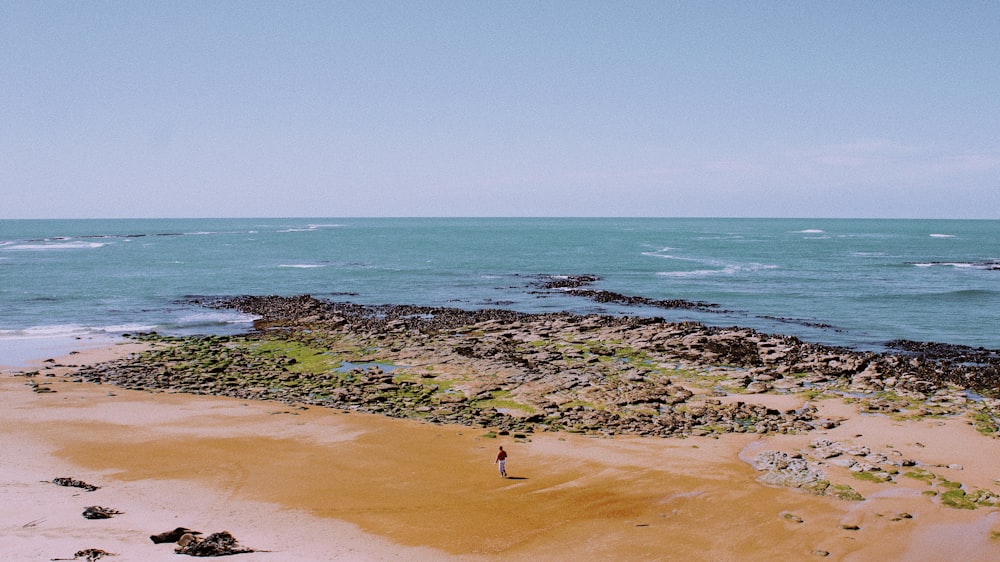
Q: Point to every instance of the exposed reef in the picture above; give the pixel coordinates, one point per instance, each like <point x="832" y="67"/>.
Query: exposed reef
<point x="520" y="373"/>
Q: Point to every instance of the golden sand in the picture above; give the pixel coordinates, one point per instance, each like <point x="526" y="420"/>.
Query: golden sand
<point x="318" y="484"/>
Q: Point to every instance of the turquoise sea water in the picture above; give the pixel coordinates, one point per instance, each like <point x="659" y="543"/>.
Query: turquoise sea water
<point x="865" y="281"/>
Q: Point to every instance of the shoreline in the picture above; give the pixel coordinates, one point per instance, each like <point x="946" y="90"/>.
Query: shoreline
<point x="380" y="488"/>
<point x="27" y="352"/>
<point x="77" y="429"/>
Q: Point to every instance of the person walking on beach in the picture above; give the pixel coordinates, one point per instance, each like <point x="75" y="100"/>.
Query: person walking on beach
<point x="502" y="461"/>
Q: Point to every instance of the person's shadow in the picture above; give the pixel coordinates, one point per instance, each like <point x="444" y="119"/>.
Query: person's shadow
<point x="516" y="478"/>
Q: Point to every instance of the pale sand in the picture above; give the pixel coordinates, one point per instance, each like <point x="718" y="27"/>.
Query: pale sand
<point x="324" y="485"/>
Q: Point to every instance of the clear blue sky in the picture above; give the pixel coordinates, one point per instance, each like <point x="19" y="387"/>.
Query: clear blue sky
<point x="491" y="108"/>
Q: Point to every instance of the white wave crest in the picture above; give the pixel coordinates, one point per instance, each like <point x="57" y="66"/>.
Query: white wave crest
<point x="697" y="273"/>
<point x="74" y="330"/>
<point x="726" y="270"/>
<point x="61" y="245"/>
<point x="662" y="254"/>
<point x="127" y="328"/>
<point x="50" y="331"/>
<point x="714" y="266"/>
<point x="310" y="227"/>
<point x="989" y="264"/>
<point x="942" y="235"/>
<point x="302" y="265"/>
<point x="210" y="317"/>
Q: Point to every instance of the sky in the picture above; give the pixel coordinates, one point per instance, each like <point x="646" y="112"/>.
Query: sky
<point x="492" y="108"/>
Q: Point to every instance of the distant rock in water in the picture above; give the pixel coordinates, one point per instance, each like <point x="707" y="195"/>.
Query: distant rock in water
<point x="574" y="285"/>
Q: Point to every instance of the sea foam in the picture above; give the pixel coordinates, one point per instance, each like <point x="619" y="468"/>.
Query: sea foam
<point x="61" y="245"/>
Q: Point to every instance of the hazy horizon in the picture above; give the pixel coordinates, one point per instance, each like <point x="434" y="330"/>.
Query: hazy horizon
<point x="470" y="217"/>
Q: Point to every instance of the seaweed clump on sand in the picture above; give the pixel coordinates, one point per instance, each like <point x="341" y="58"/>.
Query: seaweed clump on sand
<point x="74" y="483"/>
<point x="216" y="544"/>
<point x="100" y="512"/>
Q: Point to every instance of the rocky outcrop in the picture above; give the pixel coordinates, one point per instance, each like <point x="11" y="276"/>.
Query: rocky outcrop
<point x="533" y="372"/>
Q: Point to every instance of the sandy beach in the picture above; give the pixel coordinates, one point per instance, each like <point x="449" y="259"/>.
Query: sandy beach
<point x="320" y="484"/>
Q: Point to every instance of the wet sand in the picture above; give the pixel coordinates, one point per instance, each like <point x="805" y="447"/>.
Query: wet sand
<point x="319" y="484"/>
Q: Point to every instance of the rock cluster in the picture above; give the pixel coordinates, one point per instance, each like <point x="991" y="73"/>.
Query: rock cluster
<point x="805" y="469"/>
<point x="790" y="470"/>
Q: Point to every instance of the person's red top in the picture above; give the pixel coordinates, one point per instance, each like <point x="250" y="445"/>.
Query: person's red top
<point x="501" y="455"/>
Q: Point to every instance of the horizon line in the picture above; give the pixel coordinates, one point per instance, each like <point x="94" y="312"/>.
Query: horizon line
<point x="509" y="217"/>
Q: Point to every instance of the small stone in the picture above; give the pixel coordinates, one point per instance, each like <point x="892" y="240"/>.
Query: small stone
<point x="91" y="554"/>
<point x="99" y="512"/>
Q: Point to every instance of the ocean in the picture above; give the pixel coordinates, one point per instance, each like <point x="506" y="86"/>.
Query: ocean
<point x="846" y="282"/>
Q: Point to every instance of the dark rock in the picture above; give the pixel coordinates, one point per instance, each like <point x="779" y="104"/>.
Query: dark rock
<point x="172" y="536"/>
